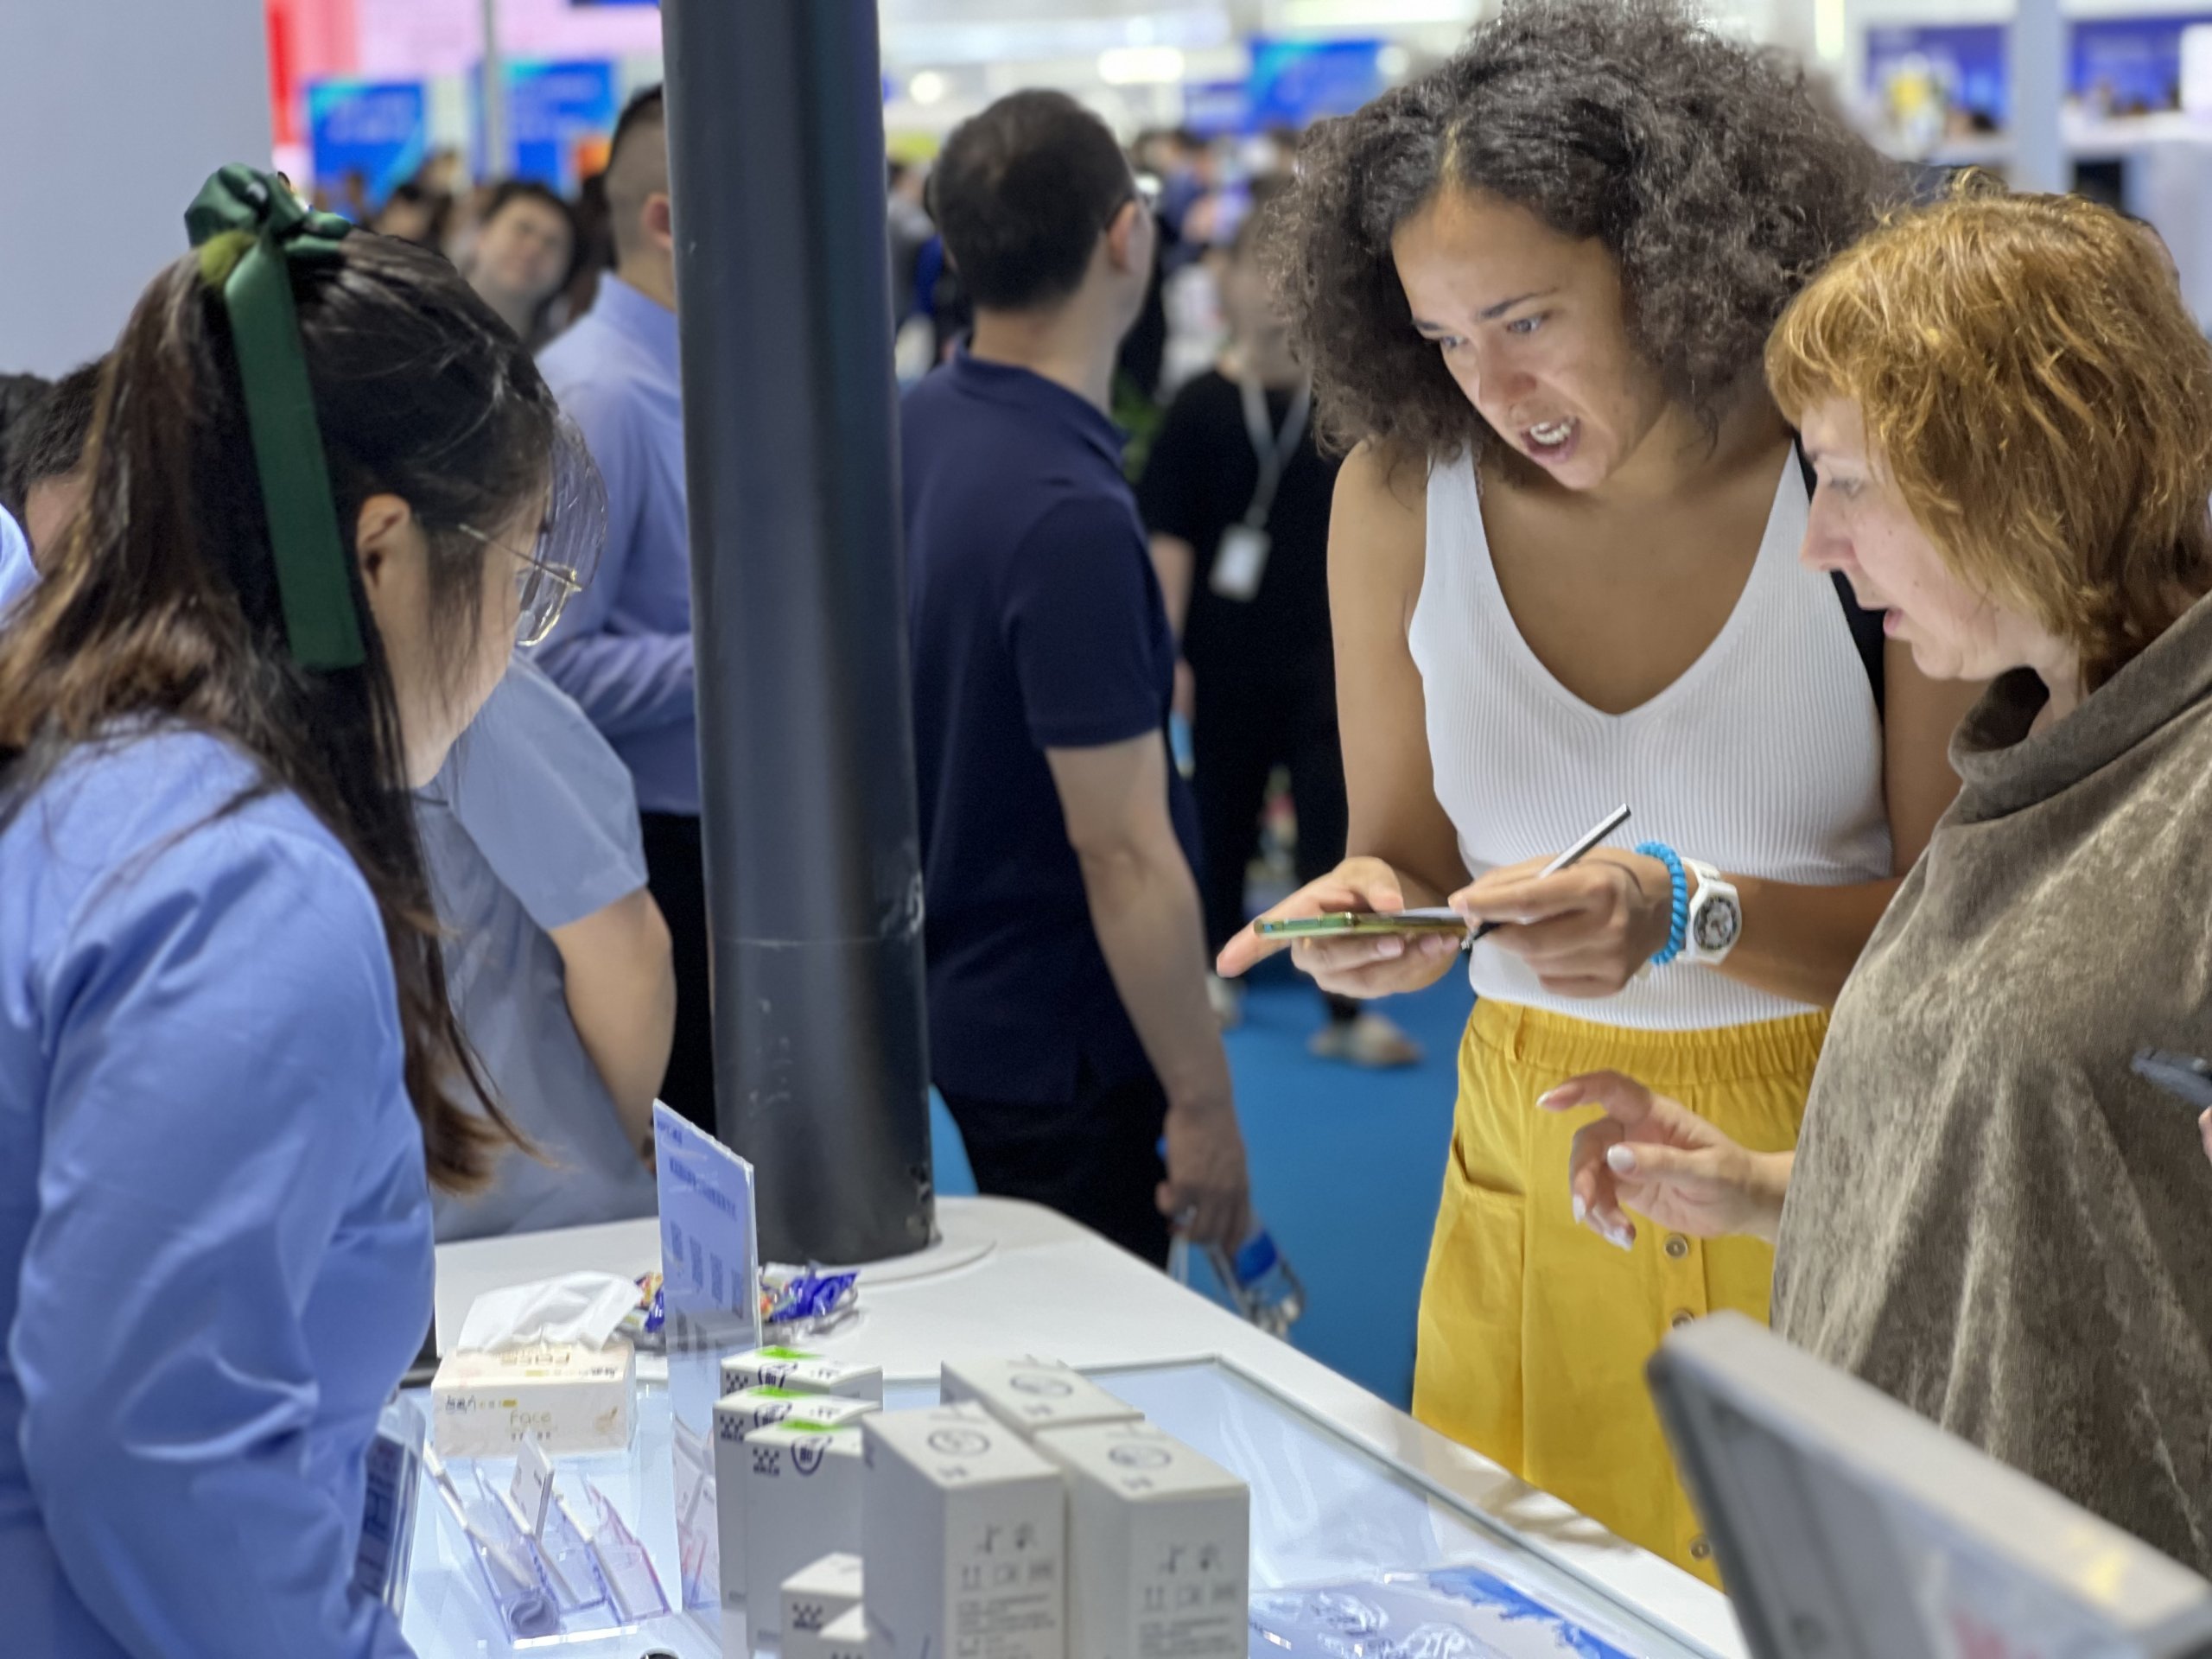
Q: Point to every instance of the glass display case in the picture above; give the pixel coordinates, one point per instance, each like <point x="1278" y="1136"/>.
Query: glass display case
<point x="1330" y="1516"/>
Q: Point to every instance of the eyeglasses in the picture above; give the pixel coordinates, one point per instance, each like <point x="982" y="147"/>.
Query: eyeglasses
<point x="542" y="589"/>
<point x="1145" y="192"/>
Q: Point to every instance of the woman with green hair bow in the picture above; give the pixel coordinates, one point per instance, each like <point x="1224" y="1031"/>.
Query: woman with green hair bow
<point x="327" y="492"/>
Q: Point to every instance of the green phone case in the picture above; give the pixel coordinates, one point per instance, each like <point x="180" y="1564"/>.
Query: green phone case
<point x="1302" y="927"/>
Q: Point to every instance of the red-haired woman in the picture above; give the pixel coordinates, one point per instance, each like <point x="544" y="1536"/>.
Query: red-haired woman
<point x="1990" y="1216"/>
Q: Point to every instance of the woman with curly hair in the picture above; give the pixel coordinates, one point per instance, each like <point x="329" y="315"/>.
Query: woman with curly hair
<point x="1533" y="287"/>
<point x="1991" y="1216"/>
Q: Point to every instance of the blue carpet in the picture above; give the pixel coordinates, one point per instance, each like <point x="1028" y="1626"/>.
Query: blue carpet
<point x="1347" y="1166"/>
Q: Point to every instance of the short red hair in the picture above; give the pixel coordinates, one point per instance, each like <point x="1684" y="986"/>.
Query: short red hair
<point x="2034" y="386"/>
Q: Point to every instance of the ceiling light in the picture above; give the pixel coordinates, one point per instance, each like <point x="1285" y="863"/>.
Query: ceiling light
<point x="1136" y="65"/>
<point x="1368" y="14"/>
<point x="928" y="87"/>
<point x="1829" y="24"/>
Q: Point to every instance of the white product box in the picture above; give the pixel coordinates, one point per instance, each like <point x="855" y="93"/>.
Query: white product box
<point x="801" y="1490"/>
<point x="574" y="1398"/>
<point x="964" y="1533"/>
<point x="736" y="1416"/>
<point x="845" y="1637"/>
<point x="802" y="1373"/>
<point x="750" y="1408"/>
<point x="1031" y="1395"/>
<point x="1160" y="1542"/>
<point x="816" y="1596"/>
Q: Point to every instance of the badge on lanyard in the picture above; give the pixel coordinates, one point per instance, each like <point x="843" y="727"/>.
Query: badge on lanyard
<point x="1240" y="562"/>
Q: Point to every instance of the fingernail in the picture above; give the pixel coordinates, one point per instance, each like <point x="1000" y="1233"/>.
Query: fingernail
<point x="1581" y="1210"/>
<point x="1625" y="1237"/>
<point x="1390" y="947"/>
<point x="1552" y="1097"/>
<point x="1621" y="1160"/>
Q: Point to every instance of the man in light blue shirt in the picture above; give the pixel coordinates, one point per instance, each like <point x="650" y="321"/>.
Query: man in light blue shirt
<point x="623" y="649"/>
<point x="557" y="962"/>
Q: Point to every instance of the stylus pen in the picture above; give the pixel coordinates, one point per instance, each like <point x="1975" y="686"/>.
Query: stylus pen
<point x="1614" y="819"/>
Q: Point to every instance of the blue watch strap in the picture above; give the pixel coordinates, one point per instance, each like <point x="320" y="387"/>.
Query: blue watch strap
<point x="1679" y="931"/>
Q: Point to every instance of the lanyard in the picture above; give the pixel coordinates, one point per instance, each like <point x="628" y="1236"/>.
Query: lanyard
<point x="1274" y="449"/>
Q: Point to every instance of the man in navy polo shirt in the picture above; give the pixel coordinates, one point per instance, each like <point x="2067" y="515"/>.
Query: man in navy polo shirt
<point x="1068" y="1024"/>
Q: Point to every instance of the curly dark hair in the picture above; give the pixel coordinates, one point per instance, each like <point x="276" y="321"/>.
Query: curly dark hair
<point x="1709" y="169"/>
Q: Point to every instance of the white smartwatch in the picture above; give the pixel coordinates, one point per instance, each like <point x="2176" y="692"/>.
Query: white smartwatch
<point x="1716" y="916"/>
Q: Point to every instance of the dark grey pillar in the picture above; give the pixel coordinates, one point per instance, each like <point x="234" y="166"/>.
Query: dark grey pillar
<point x="813" y="861"/>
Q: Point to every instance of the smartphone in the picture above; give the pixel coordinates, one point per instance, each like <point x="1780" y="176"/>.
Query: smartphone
<point x="1438" y="920"/>
<point x="2184" y="1077"/>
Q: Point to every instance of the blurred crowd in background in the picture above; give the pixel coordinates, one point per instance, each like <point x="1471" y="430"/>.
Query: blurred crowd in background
<point x="537" y="256"/>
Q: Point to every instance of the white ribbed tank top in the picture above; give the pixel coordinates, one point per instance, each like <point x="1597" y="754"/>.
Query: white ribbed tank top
<point x="1764" y="759"/>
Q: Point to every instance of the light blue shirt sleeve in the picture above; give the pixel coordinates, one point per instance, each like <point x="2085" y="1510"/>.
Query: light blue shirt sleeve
<point x="18" y="575"/>
<point x="550" y="806"/>
<point x="626" y="682"/>
<point x="223" y="1032"/>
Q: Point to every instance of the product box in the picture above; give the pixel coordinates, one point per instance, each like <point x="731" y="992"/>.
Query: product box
<point x="800" y="1486"/>
<point x="816" y="1596"/>
<point x="574" y="1398"/>
<point x="1158" y="1546"/>
<point x="802" y="1373"/>
<point x="964" y="1534"/>
<point x="845" y="1637"/>
<point x="1031" y="1395"/>
<point x="750" y="1408"/>
<point x="736" y="1416"/>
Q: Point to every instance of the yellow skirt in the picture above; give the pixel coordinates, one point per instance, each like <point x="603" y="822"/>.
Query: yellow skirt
<point x="1534" y="1331"/>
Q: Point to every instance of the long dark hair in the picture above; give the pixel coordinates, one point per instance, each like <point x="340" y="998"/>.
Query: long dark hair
<point x="163" y="600"/>
<point x="1710" y="170"/>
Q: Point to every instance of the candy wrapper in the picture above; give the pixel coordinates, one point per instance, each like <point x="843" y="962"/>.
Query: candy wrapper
<point x="794" y="1302"/>
<point x="643" y="1323"/>
<point x="799" y="1302"/>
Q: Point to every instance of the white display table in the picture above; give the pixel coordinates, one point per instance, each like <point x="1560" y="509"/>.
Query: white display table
<point x="1012" y="1279"/>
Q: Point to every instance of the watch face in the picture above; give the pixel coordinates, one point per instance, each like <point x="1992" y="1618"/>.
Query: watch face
<point x="1719" y="923"/>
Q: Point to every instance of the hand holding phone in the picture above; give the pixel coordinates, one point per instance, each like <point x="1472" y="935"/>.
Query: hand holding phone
<point x="1351" y="958"/>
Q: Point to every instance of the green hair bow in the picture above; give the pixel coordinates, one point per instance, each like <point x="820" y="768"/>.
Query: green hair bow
<point x="247" y="227"/>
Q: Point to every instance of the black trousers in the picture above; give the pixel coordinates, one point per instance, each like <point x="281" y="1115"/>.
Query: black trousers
<point x="675" y="872"/>
<point x="1095" y="1159"/>
<point x="1245" y="727"/>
